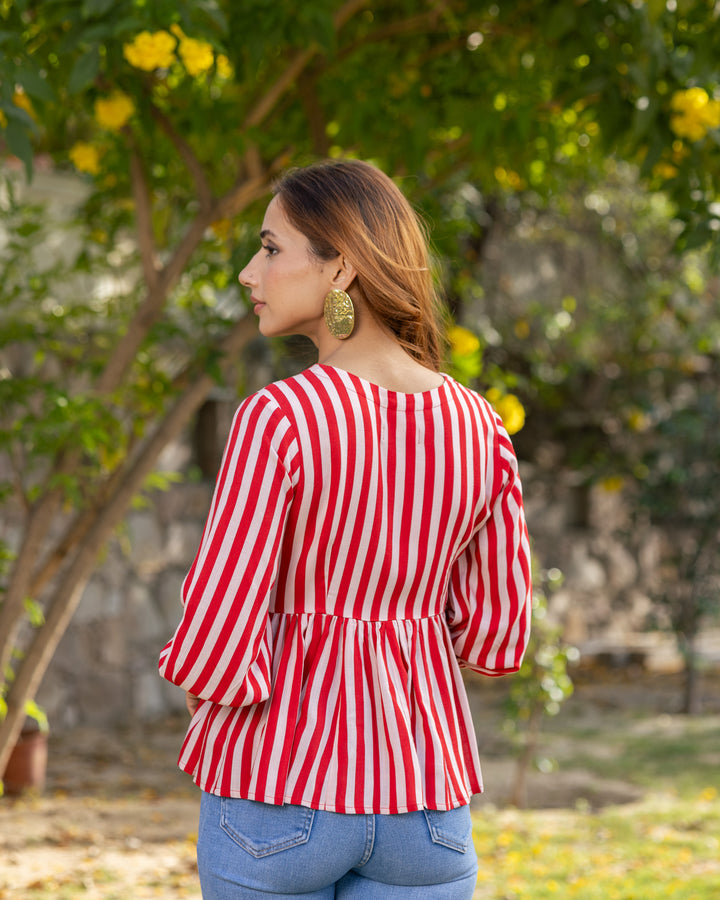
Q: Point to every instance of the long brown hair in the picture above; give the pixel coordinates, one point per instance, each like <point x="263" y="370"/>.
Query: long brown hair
<point x="350" y="207"/>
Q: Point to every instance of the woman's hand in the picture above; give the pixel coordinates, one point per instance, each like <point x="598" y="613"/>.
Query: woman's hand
<point x="192" y="702"/>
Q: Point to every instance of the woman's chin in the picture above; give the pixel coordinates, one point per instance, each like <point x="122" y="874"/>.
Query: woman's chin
<point x="264" y="328"/>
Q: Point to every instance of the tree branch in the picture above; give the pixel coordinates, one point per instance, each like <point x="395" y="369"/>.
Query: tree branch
<point x="126" y="348"/>
<point x="143" y="208"/>
<point x="185" y="151"/>
<point x="275" y="92"/>
<point x="263" y="108"/>
<point x="246" y="191"/>
<point x="253" y="162"/>
<point x="16" y="467"/>
<point x="12" y="609"/>
<point x="237" y="336"/>
<point x="152" y="306"/>
<point x="427" y="22"/>
<point x="315" y="116"/>
<point x="397" y="29"/>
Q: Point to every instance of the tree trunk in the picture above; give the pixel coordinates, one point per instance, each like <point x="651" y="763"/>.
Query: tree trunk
<point x="692" y="694"/>
<point x="518" y="795"/>
<point x="67" y="593"/>
<point x="12" y="607"/>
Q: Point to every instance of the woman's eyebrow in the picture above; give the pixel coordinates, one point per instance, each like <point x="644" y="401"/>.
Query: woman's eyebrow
<point x="266" y="233"/>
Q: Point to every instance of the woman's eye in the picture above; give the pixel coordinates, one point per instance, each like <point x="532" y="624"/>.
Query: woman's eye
<point x="270" y="250"/>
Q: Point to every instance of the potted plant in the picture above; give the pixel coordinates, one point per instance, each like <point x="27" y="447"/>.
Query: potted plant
<point x="27" y="764"/>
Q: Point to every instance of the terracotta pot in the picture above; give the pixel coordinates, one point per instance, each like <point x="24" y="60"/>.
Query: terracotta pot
<point x="27" y="764"/>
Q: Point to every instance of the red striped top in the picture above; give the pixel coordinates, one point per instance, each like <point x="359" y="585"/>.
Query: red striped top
<point x="362" y="544"/>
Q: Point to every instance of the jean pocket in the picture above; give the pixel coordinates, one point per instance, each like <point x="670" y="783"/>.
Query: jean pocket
<point x="263" y="829"/>
<point x="451" y="828"/>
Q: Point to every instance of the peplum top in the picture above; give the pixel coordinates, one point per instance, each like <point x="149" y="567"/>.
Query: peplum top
<point x="362" y="545"/>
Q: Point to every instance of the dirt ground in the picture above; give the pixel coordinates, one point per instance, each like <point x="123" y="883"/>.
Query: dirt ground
<point x="118" y="820"/>
<point x="115" y="810"/>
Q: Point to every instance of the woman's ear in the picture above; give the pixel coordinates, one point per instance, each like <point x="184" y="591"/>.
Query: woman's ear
<point x="344" y="275"/>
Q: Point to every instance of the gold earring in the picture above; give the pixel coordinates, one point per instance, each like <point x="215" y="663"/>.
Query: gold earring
<point x="339" y="314"/>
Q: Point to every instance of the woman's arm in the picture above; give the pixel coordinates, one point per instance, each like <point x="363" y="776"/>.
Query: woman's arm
<point x="221" y="648"/>
<point x="490" y="600"/>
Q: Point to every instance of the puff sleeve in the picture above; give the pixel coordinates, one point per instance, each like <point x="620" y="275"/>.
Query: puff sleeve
<point x="221" y="649"/>
<point x="490" y="596"/>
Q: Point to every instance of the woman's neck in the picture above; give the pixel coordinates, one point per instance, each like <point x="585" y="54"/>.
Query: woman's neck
<point x="381" y="360"/>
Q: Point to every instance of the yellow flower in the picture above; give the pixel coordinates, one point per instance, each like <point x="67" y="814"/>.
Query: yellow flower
<point x="221" y="229"/>
<point x="637" y="420"/>
<point x="712" y="114"/>
<point x="664" y="170"/>
<point x="522" y="329"/>
<point x="114" y="111"/>
<point x="85" y="158"/>
<point x="509" y="408"/>
<point x="462" y="341"/>
<point x="151" y="51"/>
<point x="224" y="66"/>
<point x="196" y="55"/>
<point x="679" y="151"/>
<point x="613" y="483"/>
<point x="21" y="100"/>
<point x="694" y="113"/>
<point x="508" y="178"/>
<point x="3" y="119"/>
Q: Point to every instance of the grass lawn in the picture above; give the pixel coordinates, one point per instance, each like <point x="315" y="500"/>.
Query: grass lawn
<point x="664" y="844"/>
<point x="665" y="847"/>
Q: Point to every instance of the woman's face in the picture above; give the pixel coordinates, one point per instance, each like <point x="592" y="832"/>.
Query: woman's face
<point x="287" y="283"/>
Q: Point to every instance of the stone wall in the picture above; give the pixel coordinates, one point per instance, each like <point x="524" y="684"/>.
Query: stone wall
<point x="609" y="569"/>
<point x="105" y="669"/>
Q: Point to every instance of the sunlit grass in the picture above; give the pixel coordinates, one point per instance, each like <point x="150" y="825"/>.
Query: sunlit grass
<point x="660" y="752"/>
<point x="665" y="848"/>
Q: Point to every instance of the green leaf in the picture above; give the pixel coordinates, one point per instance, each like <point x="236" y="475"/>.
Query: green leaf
<point x="215" y="14"/>
<point x="38" y="713"/>
<point x="96" y="8"/>
<point x="655" y="9"/>
<point x="127" y="26"/>
<point x="694" y="236"/>
<point x="20" y="145"/>
<point x="34" y="612"/>
<point x="560" y="22"/>
<point x="84" y="71"/>
<point x="35" y="85"/>
<point x="99" y="32"/>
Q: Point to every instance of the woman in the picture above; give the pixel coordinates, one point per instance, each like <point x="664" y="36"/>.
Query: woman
<point x="366" y="538"/>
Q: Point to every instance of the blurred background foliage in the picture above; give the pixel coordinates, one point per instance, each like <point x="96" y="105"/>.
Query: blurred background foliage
<point x="582" y="135"/>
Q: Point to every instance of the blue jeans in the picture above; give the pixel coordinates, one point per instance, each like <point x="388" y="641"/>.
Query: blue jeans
<point x="250" y="849"/>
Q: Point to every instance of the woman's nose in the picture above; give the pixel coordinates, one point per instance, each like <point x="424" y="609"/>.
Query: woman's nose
<point x="246" y="277"/>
